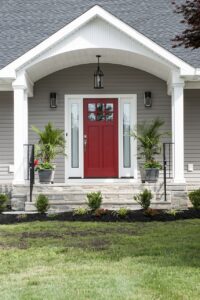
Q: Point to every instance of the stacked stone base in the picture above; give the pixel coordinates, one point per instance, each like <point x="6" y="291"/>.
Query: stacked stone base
<point x="66" y="197"/>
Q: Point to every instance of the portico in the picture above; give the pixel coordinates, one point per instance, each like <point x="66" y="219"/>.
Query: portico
<point x="76" y="46"/>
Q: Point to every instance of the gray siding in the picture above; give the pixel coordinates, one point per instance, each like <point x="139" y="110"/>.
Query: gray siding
<point x="5" y="175"/>
<point x="6" y="135"/>
<point x="79" y="80"/>
<point x="192" y="133"/>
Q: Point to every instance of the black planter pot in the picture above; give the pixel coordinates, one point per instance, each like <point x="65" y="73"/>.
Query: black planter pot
<point x="149" y="175"/>
<point x="46" y="176"/>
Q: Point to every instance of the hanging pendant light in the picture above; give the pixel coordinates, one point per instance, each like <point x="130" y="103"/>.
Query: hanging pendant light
<point x="98" y="76"/>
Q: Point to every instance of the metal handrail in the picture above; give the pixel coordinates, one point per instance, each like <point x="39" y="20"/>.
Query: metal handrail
<point x="165" y="164"/>
<point x="30" y="166"/>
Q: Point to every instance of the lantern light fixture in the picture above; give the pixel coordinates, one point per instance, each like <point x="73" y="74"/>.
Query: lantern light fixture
<point x="98" y="76"/>
<point x="148" y="99"/>
<point x="53" y="100"/>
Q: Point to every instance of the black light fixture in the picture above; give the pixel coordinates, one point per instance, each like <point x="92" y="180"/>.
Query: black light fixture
<point x="98" y="76"/>
<point x="53" y="100"/>
<point x="147" y="99"/>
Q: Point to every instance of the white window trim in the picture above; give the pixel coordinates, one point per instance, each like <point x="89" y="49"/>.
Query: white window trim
<point x="125" y="98"/>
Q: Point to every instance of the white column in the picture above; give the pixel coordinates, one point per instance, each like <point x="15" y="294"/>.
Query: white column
<point x="178" y="131"/>
<point x="20" y="131"/>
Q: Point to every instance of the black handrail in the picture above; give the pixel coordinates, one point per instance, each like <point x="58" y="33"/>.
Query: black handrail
<point x="30" y="167"/>
<point x="32" y="170"/>
<point x="167" y="162"/>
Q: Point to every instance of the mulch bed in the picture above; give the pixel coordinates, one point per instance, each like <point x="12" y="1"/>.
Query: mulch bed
<point x="107" y="216"/>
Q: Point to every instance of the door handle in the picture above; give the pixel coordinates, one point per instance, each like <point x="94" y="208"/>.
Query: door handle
<point x="85" y="142"/>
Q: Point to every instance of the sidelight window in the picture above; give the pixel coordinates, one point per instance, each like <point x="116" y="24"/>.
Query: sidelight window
<point x="126" y="136"/>
<point x="74" y="135"/>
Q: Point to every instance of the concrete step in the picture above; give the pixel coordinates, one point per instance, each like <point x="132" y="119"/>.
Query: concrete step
<point x="192" y="187"/>
<point x="42" y="188"/>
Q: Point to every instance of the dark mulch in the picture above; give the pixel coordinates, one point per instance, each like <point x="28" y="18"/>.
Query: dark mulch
<point x="108" y="216"/>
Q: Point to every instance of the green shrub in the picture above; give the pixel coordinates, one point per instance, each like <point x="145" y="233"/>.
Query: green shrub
<point x="3" y="201"/>
<point x="144" y="199"/>
<point x="122" y="212"/>
<point x="94" y="200"/>
<point x="42" y="203"/>
<point x="194" y="197"/>
<point x="80" y="211"/>
<point x="172" y="212"/>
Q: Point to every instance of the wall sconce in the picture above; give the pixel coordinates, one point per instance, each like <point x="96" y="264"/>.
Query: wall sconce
<point x="53" y="100"/>
<point x="147" y="99"/>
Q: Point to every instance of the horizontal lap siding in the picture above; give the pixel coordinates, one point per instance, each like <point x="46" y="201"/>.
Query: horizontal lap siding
<point x="79" y="80"/>
<point x="5" y="175"/>
<point x="6" y="135"/>
<point x="192" y="133"/>
<point x="6" y="128"/>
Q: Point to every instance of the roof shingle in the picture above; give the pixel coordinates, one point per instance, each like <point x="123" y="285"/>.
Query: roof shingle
<point x="24" y="23"/>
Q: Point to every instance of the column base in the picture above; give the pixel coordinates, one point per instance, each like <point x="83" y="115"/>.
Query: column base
<point x="179" y="181"/>
<point x="20" y="182"/>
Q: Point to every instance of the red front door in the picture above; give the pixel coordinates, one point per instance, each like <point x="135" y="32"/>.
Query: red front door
<point x="100" y="138"/>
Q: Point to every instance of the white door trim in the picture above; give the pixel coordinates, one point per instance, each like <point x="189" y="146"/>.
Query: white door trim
<point x="132" y="171"/>
<point x="122" y="98"/>
<point x="69" y="171"/>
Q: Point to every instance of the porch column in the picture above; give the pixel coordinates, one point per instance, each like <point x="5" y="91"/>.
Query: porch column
<point x="178" y="131"/>
<point x="20" y="131"/>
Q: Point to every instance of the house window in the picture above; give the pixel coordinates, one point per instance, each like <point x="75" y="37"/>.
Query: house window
<point x="126" y="136"/>
<point x="74" y="135"/>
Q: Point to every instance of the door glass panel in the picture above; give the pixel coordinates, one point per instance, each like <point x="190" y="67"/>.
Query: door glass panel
<point x="100" y="107"/>
<point x="109" y="106"/>
<point x="91" y="107"/>
<point x="100" y="117"/>
<point x="126" y="136"/>
<point x="109" y="117"/>
<point x="75" y="135"/>
<point x="91" y="117"/>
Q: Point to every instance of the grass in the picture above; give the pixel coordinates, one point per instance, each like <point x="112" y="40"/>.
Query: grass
<point x="62" y="260"/>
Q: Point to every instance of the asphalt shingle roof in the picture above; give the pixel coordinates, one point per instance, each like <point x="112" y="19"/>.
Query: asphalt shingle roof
<point x="26" y="23"/>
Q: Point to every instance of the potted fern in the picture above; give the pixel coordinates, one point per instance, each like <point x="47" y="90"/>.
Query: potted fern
<point x="51" y="143"/>
<point x="149" y="137"/>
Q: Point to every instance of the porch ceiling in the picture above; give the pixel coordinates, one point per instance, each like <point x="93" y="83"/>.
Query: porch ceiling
<point x="86" y="56"/>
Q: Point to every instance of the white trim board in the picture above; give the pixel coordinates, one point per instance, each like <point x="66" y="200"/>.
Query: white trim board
<point x="124" y="98"/>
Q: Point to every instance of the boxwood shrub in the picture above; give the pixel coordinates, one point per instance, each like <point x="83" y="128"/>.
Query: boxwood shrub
<point x="194" y="197"/>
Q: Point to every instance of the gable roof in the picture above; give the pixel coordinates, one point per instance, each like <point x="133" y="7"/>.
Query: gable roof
<point x="25" y="24"/>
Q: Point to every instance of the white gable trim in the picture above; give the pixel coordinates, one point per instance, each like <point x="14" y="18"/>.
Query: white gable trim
<point x="10" y="70"/>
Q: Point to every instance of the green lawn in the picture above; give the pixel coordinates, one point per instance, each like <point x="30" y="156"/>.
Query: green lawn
<point x="62" y="260"/>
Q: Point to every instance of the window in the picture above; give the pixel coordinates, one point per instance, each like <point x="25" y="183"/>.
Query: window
<point x="74" y="135"/>
<point x="126" y="136"/>
<point x="100" y="112"/>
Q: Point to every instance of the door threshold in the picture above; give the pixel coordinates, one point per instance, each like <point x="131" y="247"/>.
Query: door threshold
<point x="101" y="180"/>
